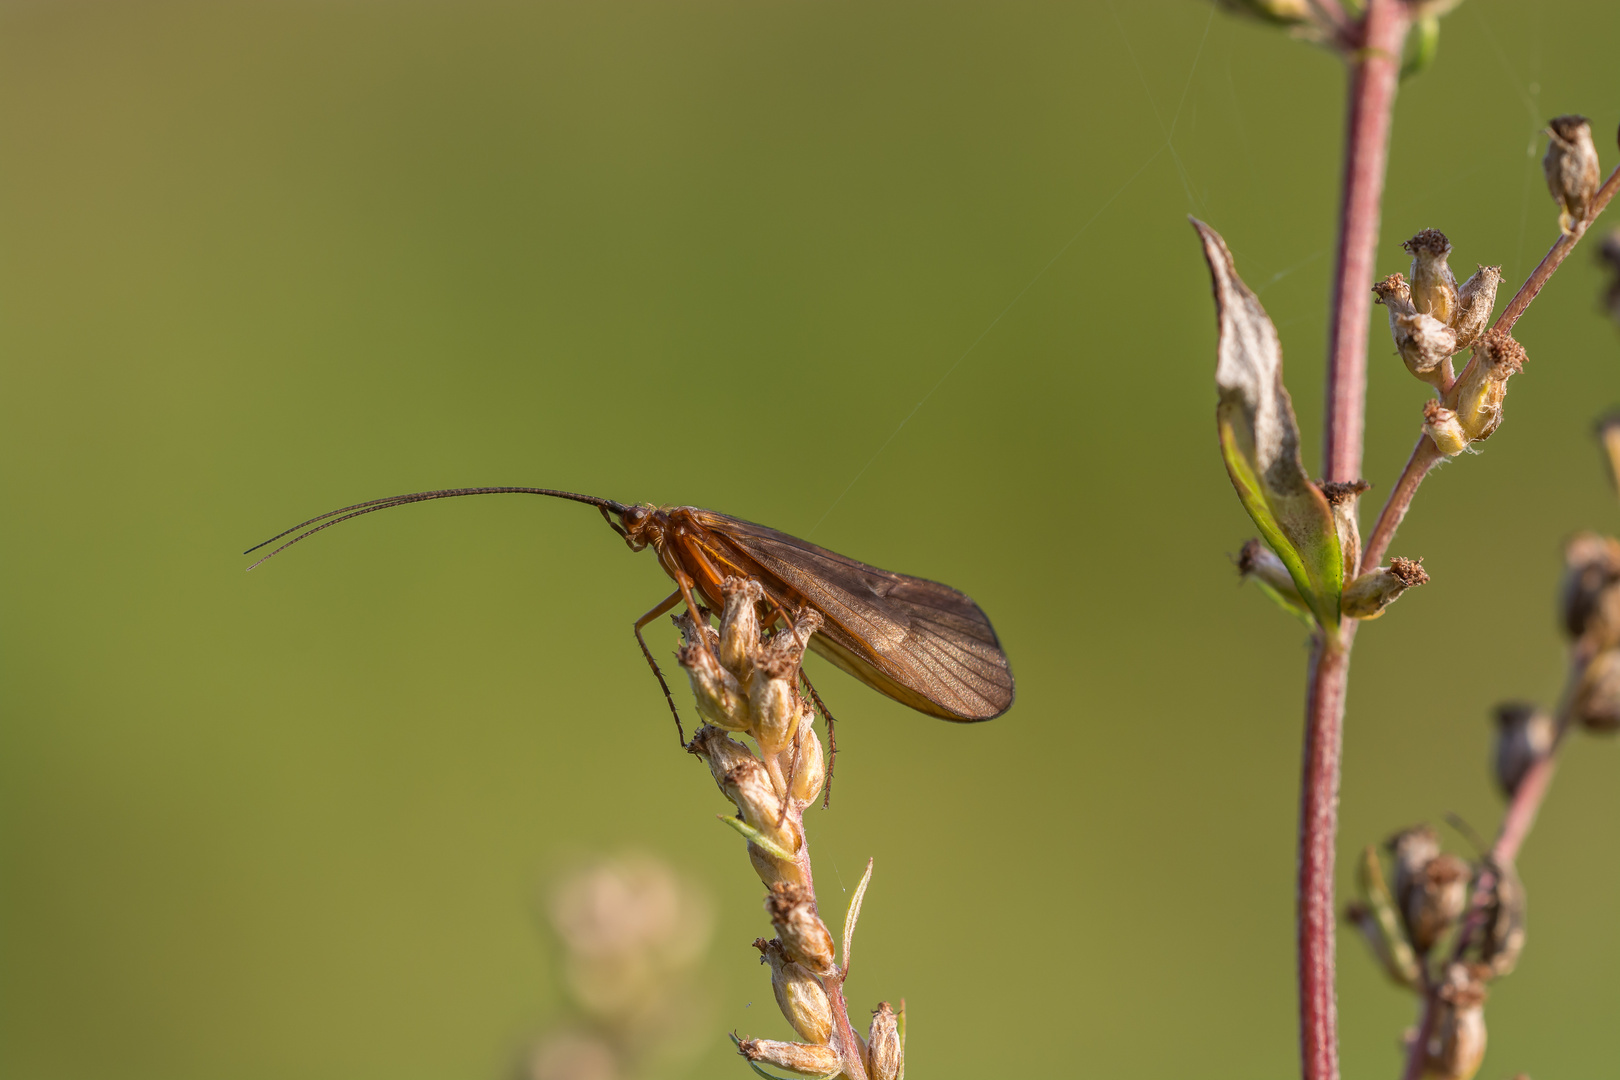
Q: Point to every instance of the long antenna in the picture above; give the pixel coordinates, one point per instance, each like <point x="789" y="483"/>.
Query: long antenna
<point x="342" y="514"/>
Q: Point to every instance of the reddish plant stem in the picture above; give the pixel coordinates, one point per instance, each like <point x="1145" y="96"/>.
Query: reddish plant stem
<point x="1424" y="456"/>
<point x="1374" y="76"/>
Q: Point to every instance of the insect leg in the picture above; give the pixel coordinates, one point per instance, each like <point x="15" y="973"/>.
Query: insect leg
<point x="663" y="606"/>
<point x="832" y="739"/>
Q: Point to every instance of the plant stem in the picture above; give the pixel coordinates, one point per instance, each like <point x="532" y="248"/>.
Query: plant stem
<point x="1374" y="76"/>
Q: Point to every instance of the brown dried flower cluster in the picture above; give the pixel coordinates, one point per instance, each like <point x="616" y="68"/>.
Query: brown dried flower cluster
<point x="746" y="679"/>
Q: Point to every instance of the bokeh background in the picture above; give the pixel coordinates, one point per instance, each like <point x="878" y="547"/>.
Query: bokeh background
<point x="912" y="280"/>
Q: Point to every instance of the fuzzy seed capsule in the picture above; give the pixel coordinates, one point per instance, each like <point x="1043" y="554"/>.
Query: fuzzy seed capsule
<point x="804" y="937"/>
<point x="1571" y="167"/>
<point x="798" y="993"/>
<point x="1524" y="736"/>
<point x="1597" y="703"/>
<point x="1457" y="1047"/>
<point x="1476" y="300"/>
<point x="888" y="1056"/>
<point x="1368" y="595"/>
<point x="1477" y="395"/>
<point x="1590" y="595"/>
<point x="1443" y="428"/>
<point x="1434" y="287"/>
<point x="810" y="1059"/>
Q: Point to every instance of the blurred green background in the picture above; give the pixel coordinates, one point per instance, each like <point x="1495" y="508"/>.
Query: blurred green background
<point x="913" y="281"/>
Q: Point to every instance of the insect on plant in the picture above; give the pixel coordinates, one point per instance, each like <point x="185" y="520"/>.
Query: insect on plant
<point x="921" y="643"/>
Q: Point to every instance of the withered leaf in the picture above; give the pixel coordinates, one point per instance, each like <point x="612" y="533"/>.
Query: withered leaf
<point x="1260" y="438"/>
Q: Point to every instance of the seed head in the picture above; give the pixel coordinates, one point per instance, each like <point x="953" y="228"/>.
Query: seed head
<point x="1572" y="169"/>
<point x="888" y="1056"/>
<point x="1434" y="287"/>
<point x="1438" y="895"/>
<point x="1476" y="300"/>
<point x="1457" y="1046"/>
<point x="1524" y="736"/>
<point x="1441" y="425"/>
<point x="1597" y="703"/>
<point x="805" y="938"/>
<point x="1477" y="396"/>
<point x="1590" y="595"/>
<point x="798" y="993"/>
<point x="1368" y="595"/>
<point x="810" y="1059"/>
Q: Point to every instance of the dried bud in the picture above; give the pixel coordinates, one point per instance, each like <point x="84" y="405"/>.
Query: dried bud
<point x="1524" y="735"/>
<point x="1457" y="1045"/>
<point x="1597" y="702"/>
<point x="774" y="702"/>
<point x="1571" y="166"/>
<point x="805" y="938"/>
<point x="1425" y="344"/>
<point x="1343" y="499"/>
<point x="739" y="623"/>
<point x="719" y="698"/>
<point x="1436" y="900"/>
<point x="800" y="1057"/>
<point x="1434" y="287"/>
<point x="798" y="993"/>
<point x="1259" y="563"/>
<point x="1442" y="427"/>
<point x="1477" y="395"/>
<point x="720" y="752"/>
<point x="1394" y="293"/>
<point x="1476" y="300"/>
<point x="888" y="1056"/>
<point x="809" y="767"/>
<point x="1368" y="595"/>
<point x="1412" y="850"/>
<point x="1589" y="597"/>
<point x="1501" y="938"/>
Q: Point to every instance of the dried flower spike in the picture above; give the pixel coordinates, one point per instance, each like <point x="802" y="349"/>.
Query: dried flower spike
<point x="1572" y="169"/>
<point x="1372" y="592"/>
<point x="1434" y="287"/>
<point x="1524" y="736"/>
<point x="1477" y="396"/>
<point x="1443" y="428"/>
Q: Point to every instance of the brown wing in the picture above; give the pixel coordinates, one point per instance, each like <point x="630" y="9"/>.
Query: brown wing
<point x="922" y="643"/>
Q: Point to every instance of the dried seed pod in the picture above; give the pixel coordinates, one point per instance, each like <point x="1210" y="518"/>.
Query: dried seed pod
<point x="720" y="700"/>
<point x="1501" y="938"/>
<point x="805" y="938"/>
<point x="1524" y="736"/>
<point x="1597" y="703"/>
<point x="1476" y="300"/>
<point x="1425" y="344"/>
<point x="1372" y="592"/>
<point x="799" y="994"/>
<point x="1434" y="287"/>
<point x="888" y="1056"/>
<point x="804" y="1058"/>
<point x="809" y="767"/>
<point x="1441" y="425"/>
<point x="719" y="751"/>
<point x="739" y="624"/>
<point x="1572" y="169"/>
<point x="1343" y="499"/>
<point x="1589" y="599"/>
<point x="1477" y="395"/>
<point x="774" y="702"/>
<point x="1437" y="899"/>
<point x="771" y="869"/>
<point x="1411" y="850"/>
<point x="1457" y="1046"/>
